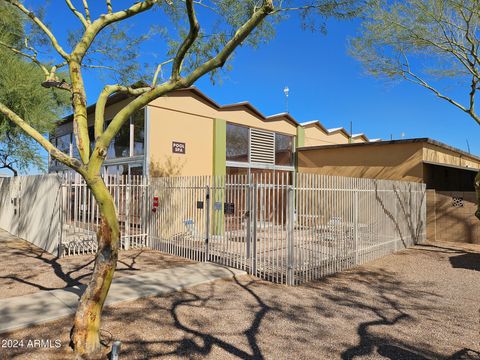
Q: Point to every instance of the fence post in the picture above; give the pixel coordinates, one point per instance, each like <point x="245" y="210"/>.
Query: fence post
<point x="248" y="216"/>
<point x="63" y="214"/>
<point x="355" y="225"/>
<point x="254" y="230"/>
<point x="127" y="211"/>
<point x="207" y="220"/>
<point x="290" y="238"/>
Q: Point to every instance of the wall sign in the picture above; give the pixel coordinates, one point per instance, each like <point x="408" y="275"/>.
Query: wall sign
<point x="178" y="147"/>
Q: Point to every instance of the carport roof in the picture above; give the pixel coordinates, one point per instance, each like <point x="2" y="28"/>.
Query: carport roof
<point x="388" y="142"/>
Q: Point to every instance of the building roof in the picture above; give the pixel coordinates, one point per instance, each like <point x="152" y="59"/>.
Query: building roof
<point x="374" y="142"/>
<point x="240" y="105"/>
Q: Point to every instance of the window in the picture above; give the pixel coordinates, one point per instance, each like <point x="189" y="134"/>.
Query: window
<point x="283" y="150"/>
<point x="237" y="143"/>
<point x="63" y="143"/>
<point x="115" y="170"/>
<point x="133" y="129"/>
<point x="120" y="145"/>
<point x="138" y="120"/>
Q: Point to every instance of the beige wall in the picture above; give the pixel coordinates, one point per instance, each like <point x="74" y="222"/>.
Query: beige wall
<point x="189" y="103"/>
<point x="188" y="118"/>
<point x="359" y="139"/>
<point x="446" y="222"/>
<point x="248" y="118"/>
<point x="195" y="131"/>
<point x="315" y="136"/>
<point x="439" y="155"/>
<point x="393" y="161"/>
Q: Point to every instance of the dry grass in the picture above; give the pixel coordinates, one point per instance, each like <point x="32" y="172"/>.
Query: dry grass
<point x="26" y="269"/>
<point x="422" y="303"/>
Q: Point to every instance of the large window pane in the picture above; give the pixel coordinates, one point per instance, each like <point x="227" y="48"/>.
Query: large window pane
<point x="283" y="149"/>
<point x="237" y="143"/>
<point x="120" y="145"/>
<point x="138" y="120"/>
<point x="63" y="143"/>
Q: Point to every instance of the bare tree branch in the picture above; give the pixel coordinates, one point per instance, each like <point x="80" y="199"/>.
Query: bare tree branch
<point x="410" y="76"/>
<point x="47" y="145"/>
<point x="87" y="11"/>
<point x="215" y="62"/>
<point x="96" y="26"/>
<point x="187" y="42"/>
<point x="158" y="71"/>
<point x="109" y="6"/>
<point x="102" y="101"/>
<point x="33" y="58"/>
<point x="77" y="13"/>
<point x="42" y="26"/>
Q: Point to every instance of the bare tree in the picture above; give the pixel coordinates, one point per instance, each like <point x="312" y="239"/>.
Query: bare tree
<point x="192" y="54"/>
<point x="429" y="43"/>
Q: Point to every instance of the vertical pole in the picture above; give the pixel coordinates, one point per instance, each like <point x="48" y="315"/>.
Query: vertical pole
<point x="63" y="214"/>
<point x="290" y="245"/>
<point x="207" y="221"/>
<point x="254" y="230"/>
<point x="355" y="225"/>
<point x="248" y="217"/>
<point x="127" y="211"/>
<point x="395" y="201"/>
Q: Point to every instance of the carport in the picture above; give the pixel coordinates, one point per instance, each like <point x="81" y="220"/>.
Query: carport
<point x="447" y="172"/>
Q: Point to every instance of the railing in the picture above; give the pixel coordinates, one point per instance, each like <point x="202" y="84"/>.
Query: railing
<point x="283" y="228"/>
<point x="80" y="214"/>
<point x="286" y="229"/>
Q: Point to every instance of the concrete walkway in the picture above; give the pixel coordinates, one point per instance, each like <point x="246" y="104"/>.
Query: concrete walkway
<point x="23" y="311"/>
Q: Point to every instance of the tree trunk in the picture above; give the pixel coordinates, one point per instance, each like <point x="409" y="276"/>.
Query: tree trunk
<point x="477" y="189"/>
<point x="85" y="336"/>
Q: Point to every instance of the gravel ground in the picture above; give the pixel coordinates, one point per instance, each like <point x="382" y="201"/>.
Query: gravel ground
<point x="25" y="268"/>
<point x="421" y="303"/>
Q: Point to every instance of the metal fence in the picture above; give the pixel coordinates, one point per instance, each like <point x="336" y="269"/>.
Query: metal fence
<point x="284" y="228"/>
<point x="80" y="216"/>
<point x="287" y="229"/>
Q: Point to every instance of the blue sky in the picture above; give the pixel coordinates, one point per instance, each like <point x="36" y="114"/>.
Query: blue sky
<point x="325" y="84"/>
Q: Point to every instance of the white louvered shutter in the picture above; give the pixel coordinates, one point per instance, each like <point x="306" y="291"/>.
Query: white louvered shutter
<point x="262" y="146"/>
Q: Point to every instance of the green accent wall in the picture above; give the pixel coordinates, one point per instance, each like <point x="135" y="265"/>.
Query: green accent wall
<point x="300" y="141"/>
<point x="219" y="147"/>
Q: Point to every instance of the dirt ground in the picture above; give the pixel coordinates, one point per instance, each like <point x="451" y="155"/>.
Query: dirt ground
<point x="25" y="268"/>
<point x="421" y="303"/>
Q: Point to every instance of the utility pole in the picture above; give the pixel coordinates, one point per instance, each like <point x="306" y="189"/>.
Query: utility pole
<point x="350" y="140"/>
<point x="286" y="90"/>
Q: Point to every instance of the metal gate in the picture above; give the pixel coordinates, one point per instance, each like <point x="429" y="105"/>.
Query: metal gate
<point x="238" y="221"/>
<point x="286" y="229"/>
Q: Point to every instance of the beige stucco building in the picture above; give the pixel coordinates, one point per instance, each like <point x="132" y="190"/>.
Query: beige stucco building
<point x="438" y="165"/>
<point x="187" y="133"/>
<point x="447" y="172"/>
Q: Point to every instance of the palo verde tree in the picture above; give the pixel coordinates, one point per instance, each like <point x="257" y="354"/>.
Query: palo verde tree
<point x="20" y="91"/>
<point x="194" y="48"/>
<point x="431" y="43"/>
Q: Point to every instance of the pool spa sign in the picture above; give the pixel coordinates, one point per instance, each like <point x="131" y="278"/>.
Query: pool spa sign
<point x="178" y="147"/>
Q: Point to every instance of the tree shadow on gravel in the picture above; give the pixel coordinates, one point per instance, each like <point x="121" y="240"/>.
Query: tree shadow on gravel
<point x="197" y="342"/>
<point x="391" y="310"/>
<point x="465" y="259"/>
<point x="347" y="298"/>
<point x="66" y="269"/>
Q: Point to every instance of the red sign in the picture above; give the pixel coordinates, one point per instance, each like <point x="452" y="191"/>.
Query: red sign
<point x="155" y="201"/>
